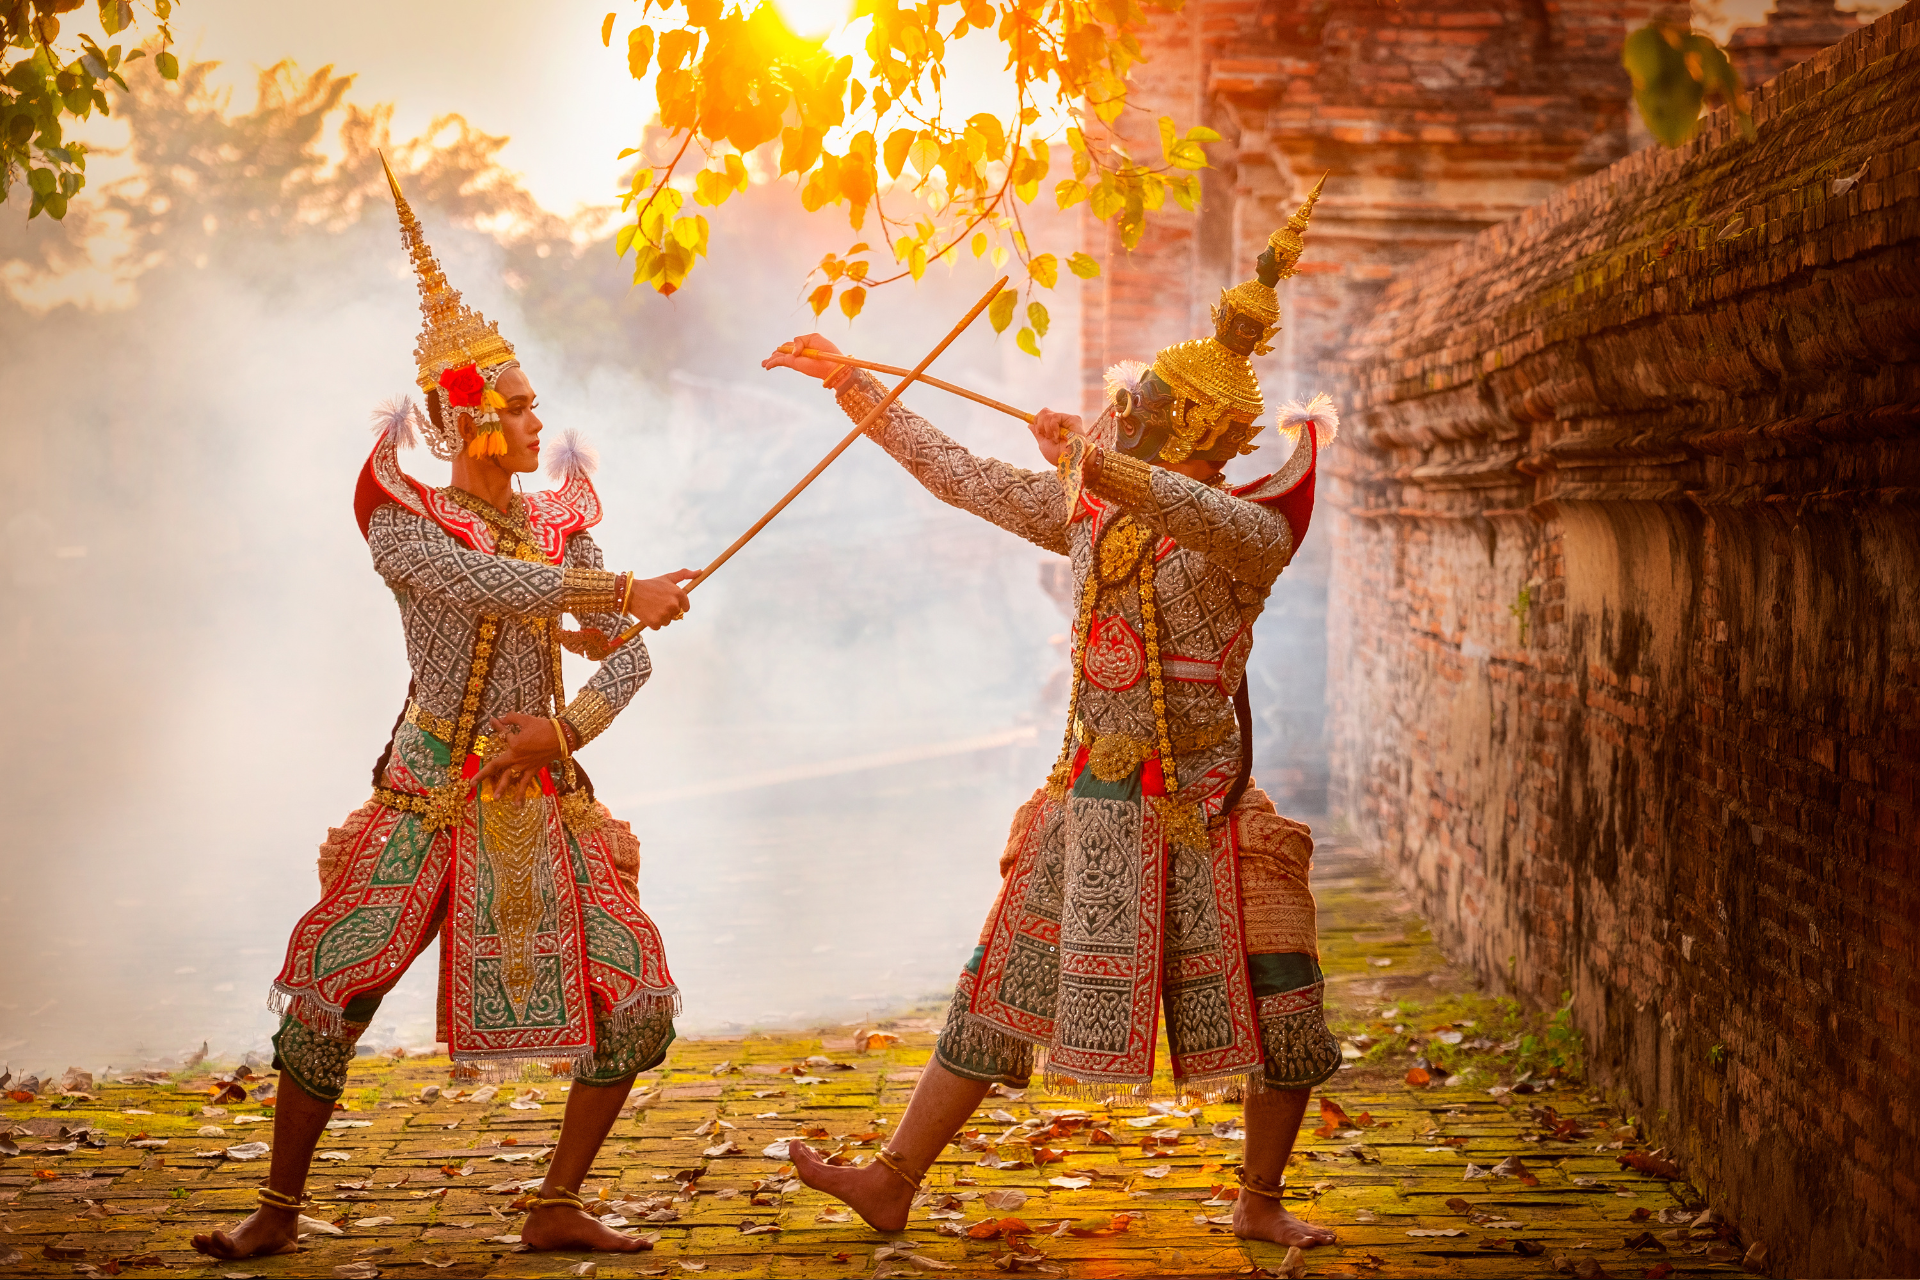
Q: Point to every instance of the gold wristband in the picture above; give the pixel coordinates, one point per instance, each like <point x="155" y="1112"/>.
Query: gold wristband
<point x="626" y="596"/>
<point x="589" y="715"/>
<point x="560" y="732"/>
<point x="1121" y="479"/>
<point x="588" y="590"/>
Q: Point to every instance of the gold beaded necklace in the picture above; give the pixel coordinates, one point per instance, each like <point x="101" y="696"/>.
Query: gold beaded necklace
<point x="1125" y="553"/>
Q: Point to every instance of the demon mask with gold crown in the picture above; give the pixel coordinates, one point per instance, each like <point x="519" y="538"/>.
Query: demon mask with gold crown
<point x="1200" y="399"/>
<point x="459" y="357"/>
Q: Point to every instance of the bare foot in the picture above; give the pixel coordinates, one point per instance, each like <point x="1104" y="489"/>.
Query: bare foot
<point x="266" y="1230"/>
<point x="565" y="1227"/>
<point x="1258" y="1218"/>
<point x="879" y="1195"/>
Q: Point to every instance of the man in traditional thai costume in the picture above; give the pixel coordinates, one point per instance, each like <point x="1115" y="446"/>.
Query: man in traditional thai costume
<point x="483" y="828"/>
<point x="1147" y="870"/>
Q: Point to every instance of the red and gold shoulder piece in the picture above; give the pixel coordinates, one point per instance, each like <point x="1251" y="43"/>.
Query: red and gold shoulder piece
<point x="1296" y="471"/>
<point x="556" y="514"/>
<point x="1289" y="490"/>
<point x="382" y="481"/>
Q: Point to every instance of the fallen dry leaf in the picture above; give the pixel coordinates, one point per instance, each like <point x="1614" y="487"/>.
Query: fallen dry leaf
<point x="1650" y="1164"/>
<point x="996" y="1228"/>
<point x="1514" y="1167"/>
<point x="1419" y="1078"/>
<point x="1018" y="1257"/>
<point x="1332" y="1118"/>
<point x="1004" y="1201"/>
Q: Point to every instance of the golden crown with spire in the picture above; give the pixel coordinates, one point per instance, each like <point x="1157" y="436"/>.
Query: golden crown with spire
<point x="1216" y="395"/>
<point x="460" y="354"/>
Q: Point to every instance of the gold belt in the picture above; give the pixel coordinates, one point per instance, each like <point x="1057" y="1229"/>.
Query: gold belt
<point x="1114" y="757"/>
<point x="421" y="718"/>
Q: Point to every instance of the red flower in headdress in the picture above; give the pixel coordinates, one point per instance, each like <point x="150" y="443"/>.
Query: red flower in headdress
<point x="463" y="386"/>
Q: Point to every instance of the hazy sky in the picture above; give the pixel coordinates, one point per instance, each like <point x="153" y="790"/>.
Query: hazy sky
<point x="537" y="73"/>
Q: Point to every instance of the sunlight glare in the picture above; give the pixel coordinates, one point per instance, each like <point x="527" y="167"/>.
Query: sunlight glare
<point x="812" y="18"/>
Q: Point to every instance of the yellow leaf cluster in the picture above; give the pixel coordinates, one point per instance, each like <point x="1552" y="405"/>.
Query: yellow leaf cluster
<point x="734" y="82"/>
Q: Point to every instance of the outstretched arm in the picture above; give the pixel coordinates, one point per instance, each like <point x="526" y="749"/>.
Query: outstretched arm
<point x="1246" y="539"/>
<point x="1028" y="503"/>
<point x="412" y="552"/>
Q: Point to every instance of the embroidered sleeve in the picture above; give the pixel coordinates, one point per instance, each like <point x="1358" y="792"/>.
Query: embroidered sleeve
<point x="413" y="552"/>
<point x="1244" y="538"/>
<point x="622" y="672"/>
<point x="1028" y="503"/>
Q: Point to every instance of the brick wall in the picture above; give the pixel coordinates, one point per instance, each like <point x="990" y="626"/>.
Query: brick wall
<point x="1625" y="635"/>
<point x="1435" y="122"/>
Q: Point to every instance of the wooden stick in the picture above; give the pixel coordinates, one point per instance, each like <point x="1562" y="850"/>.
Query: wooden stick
<point x="897" y="372"/>
<point x="842" y="447"/>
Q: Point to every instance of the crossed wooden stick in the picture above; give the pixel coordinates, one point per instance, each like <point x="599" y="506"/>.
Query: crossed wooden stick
<point x="908" y="377"/>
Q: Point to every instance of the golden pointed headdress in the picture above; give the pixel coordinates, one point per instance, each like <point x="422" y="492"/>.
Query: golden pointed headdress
<point x="452" y="334"/>
<point x="1216" y="395"/>
<point x="1290" y="241"/>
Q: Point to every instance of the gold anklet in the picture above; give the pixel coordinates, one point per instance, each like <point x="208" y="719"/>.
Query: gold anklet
<point x="271" y="1199"/>
<point x="1251" y="1181"/>
<point x="891" y="1159"/>
<point x="565" y="1199"/>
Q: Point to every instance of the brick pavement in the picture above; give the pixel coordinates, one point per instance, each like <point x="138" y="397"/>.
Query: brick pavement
<point x="421" y="1187"/>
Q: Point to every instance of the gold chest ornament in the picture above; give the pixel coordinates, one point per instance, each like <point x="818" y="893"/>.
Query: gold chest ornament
<point x="1123" y="553"/>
